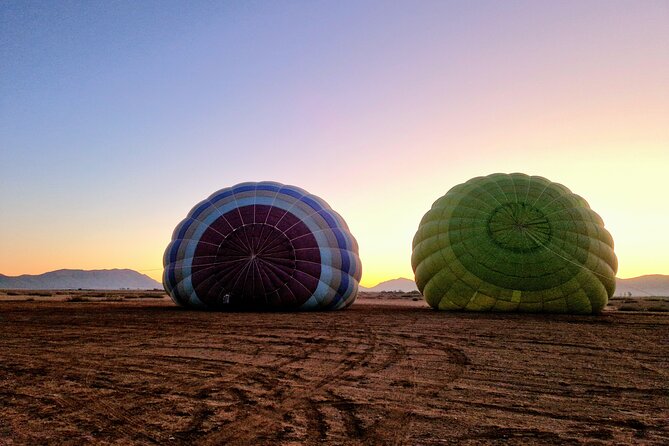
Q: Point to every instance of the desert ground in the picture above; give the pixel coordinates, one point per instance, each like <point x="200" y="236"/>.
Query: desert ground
<point x="131" y="368"/>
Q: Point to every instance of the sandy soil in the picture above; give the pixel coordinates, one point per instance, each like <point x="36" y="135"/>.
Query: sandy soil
<point x="142" y="371"/>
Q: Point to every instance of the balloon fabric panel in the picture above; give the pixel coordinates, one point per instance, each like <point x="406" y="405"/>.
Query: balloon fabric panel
<point x="262" y="246"/>
<point x="513" y="242"/>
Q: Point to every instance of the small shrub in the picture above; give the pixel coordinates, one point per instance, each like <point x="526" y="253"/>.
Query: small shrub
<point x="629" y="308"/>
<point x="77" y="299"/>
<point x="40" y="293"/>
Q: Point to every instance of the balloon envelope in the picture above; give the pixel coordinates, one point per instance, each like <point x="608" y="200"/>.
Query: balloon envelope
<point x="262" y="246"/>
<point x="513" y="242"/>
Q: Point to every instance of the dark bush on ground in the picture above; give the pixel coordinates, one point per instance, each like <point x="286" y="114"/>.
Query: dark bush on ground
<point x="77" y="299"/>
<point x="39" y="293"/>
<point x="628" y="308"/>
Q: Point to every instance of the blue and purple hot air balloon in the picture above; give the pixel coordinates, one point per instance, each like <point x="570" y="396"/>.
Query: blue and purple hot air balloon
<point x="262" y="246"/>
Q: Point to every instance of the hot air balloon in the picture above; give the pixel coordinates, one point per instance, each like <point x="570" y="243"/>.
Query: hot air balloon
<point x="513" y="242"/>
<point x="262" y="246"/>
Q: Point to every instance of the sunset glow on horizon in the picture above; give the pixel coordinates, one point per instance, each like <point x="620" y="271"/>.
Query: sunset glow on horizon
<point x="115" y="122"/>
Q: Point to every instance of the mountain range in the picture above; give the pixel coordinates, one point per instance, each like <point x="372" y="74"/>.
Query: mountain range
<point x="399" y="284"/>
<point x="67" y="279"/>
<point x="110" y="279"/>
<point x="650" y="285"/>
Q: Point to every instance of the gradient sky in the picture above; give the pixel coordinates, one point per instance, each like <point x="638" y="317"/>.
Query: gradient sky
<point x="116" y="117"/>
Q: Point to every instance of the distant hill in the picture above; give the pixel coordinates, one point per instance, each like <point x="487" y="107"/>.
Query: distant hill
<point x="64" y="279"/>
<point x="399" y="284"/>
<point x="651" y="285"/>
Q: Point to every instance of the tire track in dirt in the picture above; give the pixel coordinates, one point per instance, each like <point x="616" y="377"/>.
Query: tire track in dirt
<point x="285" y="401"/>
<point x="191" y="431"/>
<point x="347" y="408"/>
<point x="317" y="427"/>
<point x="288" y="398"/>
<point x="360" y="358"/>
<point x="370" y="375"/>
<point x="361" y="354"/>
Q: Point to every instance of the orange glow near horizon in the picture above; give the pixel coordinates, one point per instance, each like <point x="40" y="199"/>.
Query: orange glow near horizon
<point x="624" y="187"/>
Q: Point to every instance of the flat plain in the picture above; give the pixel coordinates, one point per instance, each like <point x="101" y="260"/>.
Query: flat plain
<point x="132" y="368"/>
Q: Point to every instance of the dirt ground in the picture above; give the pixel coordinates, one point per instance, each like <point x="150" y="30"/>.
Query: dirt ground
<point x="386" y="371"/>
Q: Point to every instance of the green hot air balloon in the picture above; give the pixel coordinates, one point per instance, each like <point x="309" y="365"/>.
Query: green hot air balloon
<point x="513" y="242"/>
